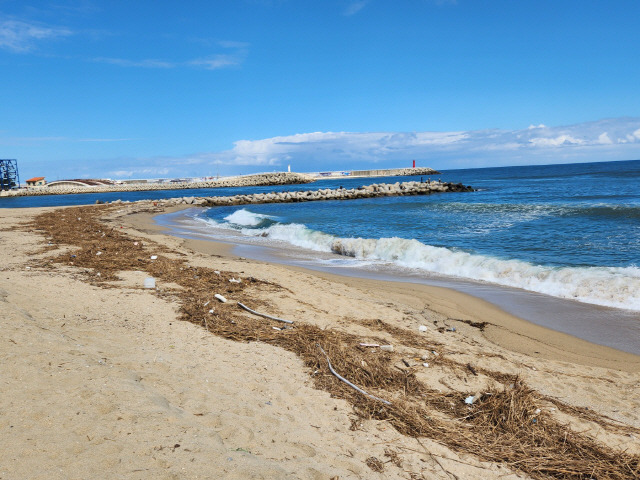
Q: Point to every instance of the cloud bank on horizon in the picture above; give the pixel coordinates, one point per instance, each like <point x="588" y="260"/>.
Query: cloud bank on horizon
<point x="603" y="140"/>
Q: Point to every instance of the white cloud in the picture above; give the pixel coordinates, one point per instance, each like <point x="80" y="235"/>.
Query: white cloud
<point x="233" y="44"/>
<point x="217" y="62"/>
<point x="214" y="62"/>
<point x="604" y="139"/>
<point x="355" y="7"/>
<point x="555" y="141"/>
<point x="580" y="142"/>
<point x="320" y="151"/>
<point x="21" y="37"/>
<point x="148" y="63"/>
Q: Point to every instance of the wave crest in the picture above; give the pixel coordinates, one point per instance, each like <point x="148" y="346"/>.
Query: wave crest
<point x="245" y="218"/>
<point x="617" y="287"/>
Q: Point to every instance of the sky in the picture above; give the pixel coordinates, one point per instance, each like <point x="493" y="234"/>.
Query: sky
<point x="153" y="88"/>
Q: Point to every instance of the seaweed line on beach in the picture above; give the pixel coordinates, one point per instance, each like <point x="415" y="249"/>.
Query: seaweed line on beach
<point x="504" y="425"/>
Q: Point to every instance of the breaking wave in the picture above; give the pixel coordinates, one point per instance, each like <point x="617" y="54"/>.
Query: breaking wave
<point x="245" y="218"/>
<point x="617" y="287"/>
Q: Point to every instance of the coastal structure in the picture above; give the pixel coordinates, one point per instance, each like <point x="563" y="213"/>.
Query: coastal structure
<point x="368" y="191"/>
<point x="36" y="182"/>
<point x="65" y="187"/>
<point x="381" y="172"/>
<point x="9" y="178"/>
<point x="79" y="182"/>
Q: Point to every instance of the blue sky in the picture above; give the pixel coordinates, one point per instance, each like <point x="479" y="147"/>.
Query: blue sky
<point x="139" y="89"/>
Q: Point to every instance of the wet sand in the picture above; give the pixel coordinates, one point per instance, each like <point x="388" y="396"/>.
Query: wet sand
<point x="517" y="319"/>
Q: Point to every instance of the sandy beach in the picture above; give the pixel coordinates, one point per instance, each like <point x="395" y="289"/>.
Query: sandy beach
<point x="103" y="378"/>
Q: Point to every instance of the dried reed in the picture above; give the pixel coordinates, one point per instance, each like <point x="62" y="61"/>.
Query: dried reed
<point x="505" y="425"/>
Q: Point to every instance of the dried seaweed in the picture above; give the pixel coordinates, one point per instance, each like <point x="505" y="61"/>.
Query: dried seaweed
<point x="505" y="425"/>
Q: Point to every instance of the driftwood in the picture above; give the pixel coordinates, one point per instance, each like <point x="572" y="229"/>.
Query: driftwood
<point x="263" y="314"/>
<point x="355" y="387"/>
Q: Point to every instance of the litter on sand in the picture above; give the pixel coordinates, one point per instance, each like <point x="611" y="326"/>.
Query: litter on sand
<point x="220" y="297"/>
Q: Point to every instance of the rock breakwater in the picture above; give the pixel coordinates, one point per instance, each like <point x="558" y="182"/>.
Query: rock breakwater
<point x="368" y="191"/>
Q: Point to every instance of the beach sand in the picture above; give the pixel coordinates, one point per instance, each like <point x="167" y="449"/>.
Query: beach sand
<point x="101" y="378"/>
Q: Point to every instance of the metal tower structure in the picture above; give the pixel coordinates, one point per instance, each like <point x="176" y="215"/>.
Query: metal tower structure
<point x="9" y="174"/>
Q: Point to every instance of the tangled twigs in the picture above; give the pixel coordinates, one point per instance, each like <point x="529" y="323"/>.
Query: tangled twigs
<point x="504" y="426"/>
<point x="355" y="387"/>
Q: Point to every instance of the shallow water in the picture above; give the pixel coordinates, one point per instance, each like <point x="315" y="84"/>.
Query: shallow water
<point x="616" y="328"/>
<point x="569" y="231"/>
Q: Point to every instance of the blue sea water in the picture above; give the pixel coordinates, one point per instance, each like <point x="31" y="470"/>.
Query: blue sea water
<point x="566" y="235"/>
<point x="569" y="231"/>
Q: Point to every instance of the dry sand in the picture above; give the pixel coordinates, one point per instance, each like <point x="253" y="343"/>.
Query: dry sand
<point x="108" y="383"/>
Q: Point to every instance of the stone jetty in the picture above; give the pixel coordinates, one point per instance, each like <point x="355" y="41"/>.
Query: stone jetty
<point x="276" y="178"/>
<point x="368" y="191"/>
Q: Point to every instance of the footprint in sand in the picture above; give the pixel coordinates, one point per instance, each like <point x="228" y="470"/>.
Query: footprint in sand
<point x="237" y="435"/>
<point x="300" y="450"/>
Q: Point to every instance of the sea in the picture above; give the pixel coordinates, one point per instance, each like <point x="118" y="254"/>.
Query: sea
<point x="558" y="245"/>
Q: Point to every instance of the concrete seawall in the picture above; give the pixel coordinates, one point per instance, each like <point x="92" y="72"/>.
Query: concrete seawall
<point x="369" y="191"/>
<point x="394" y="172"/>
<point x="279" y="178"/>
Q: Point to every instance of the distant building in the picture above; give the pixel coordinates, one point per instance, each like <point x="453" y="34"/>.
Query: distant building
<point x="36" y="182"/>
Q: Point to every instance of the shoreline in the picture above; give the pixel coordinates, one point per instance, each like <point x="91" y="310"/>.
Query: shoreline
<point x="101" y="374"/>
<point x="504" y="329"/>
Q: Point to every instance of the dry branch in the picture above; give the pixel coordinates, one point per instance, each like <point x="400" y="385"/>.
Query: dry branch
<point x="355" y="387"/>
<point x="241" y="305"/>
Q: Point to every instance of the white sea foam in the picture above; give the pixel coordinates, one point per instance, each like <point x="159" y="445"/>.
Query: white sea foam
<point x="617" y="287"/>
<point x="609" y="286"/>
<point x="245" y="218"/>
<point x="298" y="235"/>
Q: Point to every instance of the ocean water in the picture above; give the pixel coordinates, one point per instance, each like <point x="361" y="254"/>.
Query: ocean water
<point x="558" y="245"/>
<point x="567" y="231"/>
